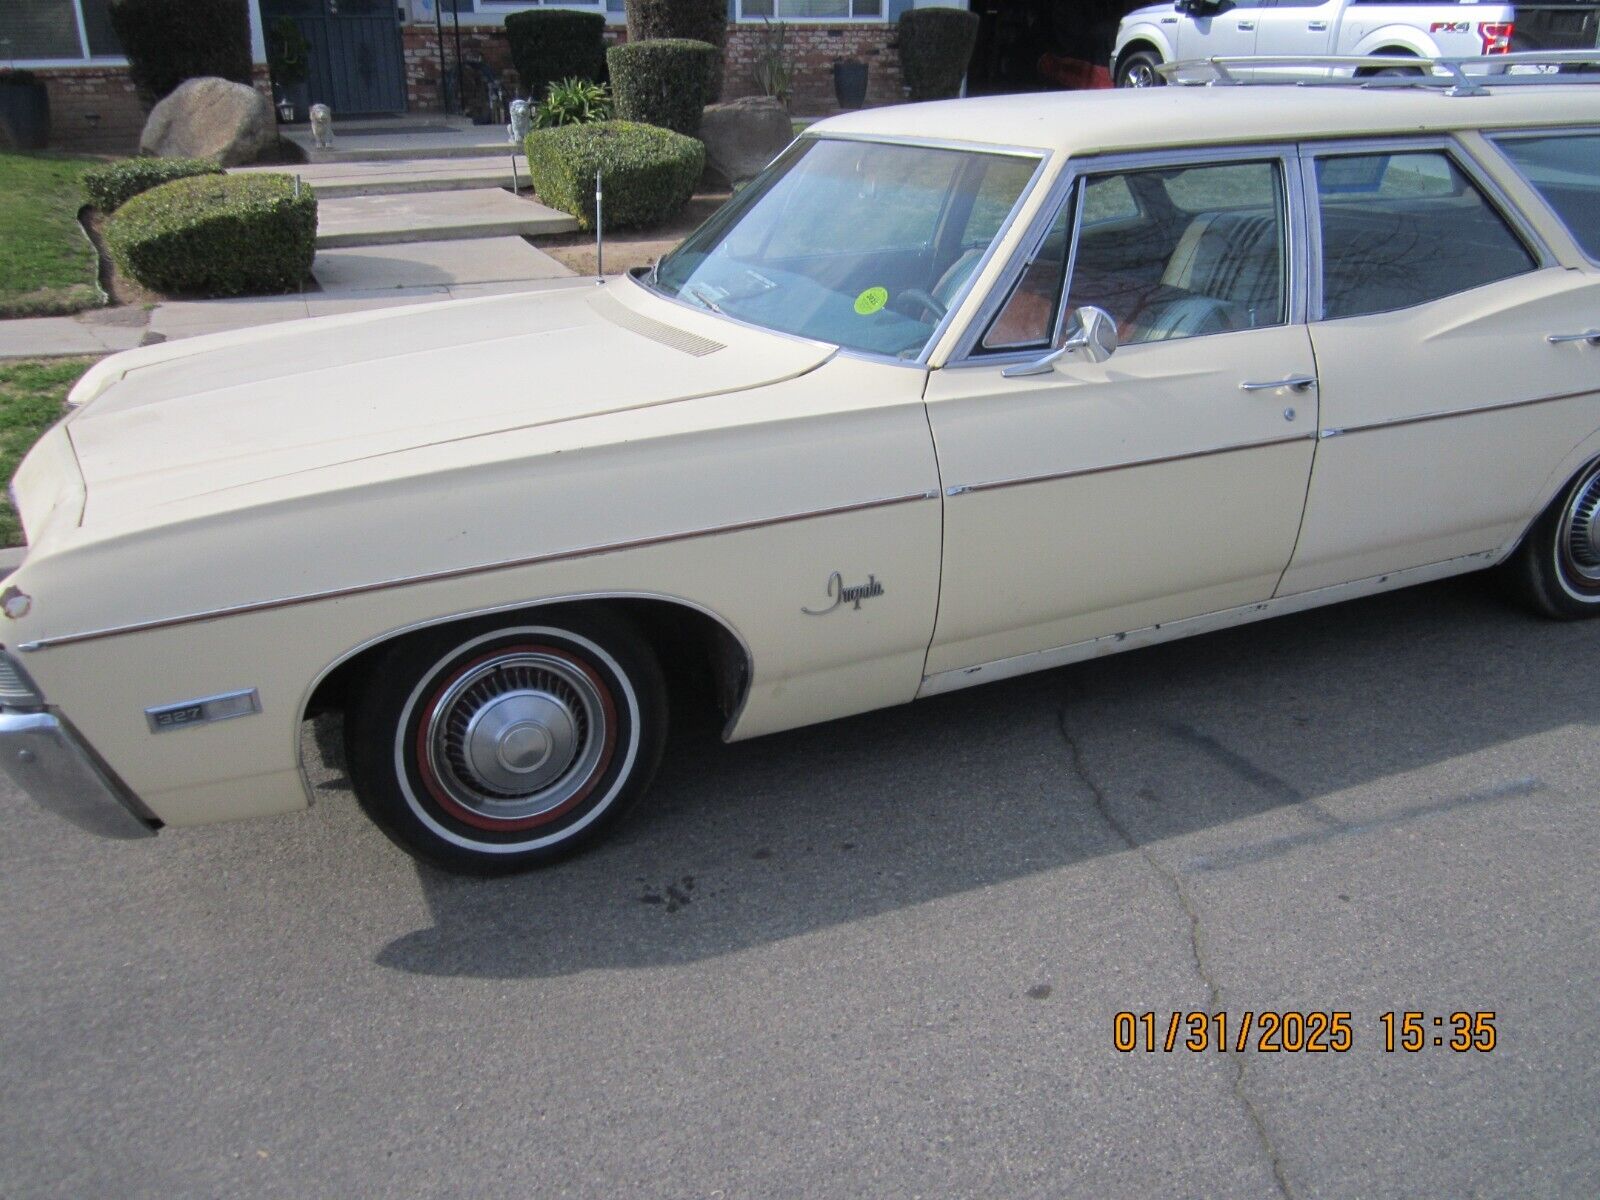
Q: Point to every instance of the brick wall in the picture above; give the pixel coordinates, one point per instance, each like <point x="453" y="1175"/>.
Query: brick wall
<point x="486" y="44"/>
<point x="95" y="110"/>
<point x="815" y="48"/>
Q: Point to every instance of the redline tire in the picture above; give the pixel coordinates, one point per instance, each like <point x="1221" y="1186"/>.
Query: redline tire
<point x="496" y="746"/>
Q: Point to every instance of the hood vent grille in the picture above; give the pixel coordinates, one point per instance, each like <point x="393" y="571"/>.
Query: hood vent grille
<point x="613" y="310"/>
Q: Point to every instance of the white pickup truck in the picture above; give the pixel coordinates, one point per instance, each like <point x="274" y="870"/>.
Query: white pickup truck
<point x="1164" y="33"/>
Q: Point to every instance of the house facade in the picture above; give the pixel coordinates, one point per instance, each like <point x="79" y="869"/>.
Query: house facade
<point x="393" y="56"/>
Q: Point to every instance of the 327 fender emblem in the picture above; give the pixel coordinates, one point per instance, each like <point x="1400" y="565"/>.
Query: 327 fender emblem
<point x="840" y="594"/>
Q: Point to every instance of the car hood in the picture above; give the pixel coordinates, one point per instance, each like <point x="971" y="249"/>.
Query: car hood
<point x="176" y="423"/>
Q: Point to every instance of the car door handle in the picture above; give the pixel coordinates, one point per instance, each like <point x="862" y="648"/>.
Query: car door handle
<point x="1298" y="383"/>
<point x="1317" y="26"/>
<point x="1592" y="336"/>
<point x="1246" y="26"/>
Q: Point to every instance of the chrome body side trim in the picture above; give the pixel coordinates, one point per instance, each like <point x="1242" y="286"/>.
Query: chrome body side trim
<point x="991" y="485"/>
<point x="54" y="767"/>
<point x="1114" y="643"/>
<point x="477" y="569"/>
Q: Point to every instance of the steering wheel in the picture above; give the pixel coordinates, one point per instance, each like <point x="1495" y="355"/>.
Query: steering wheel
<point x="924" y="300"/>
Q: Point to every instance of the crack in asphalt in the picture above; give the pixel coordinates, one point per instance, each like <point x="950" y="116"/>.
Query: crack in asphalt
<point x="1197" y="951"/>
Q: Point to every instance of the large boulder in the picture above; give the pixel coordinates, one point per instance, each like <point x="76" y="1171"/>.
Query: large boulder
<point x="210" y="118"/>
<point x="742" y="137"/>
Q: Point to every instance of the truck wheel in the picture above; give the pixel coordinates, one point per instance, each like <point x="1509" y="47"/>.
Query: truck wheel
<point x="1138" y="70"/>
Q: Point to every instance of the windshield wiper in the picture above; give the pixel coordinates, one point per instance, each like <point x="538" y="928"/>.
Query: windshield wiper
<point x="696" y="294"/>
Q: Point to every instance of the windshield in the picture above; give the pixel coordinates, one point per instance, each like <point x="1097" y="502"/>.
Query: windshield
<point x="862" y="244"/>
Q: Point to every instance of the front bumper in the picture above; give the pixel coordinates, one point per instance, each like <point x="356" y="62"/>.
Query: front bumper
<point x="46" y="759"/>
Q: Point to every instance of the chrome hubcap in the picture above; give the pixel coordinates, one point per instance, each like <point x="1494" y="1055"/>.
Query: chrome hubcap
<point x="1140" y="76"/>
<point x="1581" y="530"/>
<point x="517" y="735"/>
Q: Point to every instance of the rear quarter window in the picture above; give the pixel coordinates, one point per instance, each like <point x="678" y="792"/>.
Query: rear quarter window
<point x="1565" y="170"/>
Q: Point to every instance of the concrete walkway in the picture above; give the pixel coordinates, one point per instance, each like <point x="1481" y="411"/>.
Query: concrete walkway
<point x="434" y="216"/>
<point x="391" y="176"/>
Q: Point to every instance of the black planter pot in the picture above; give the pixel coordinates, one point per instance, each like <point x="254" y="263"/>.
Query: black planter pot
<point x="25" y="111"/>
<point x="850" y="84"/>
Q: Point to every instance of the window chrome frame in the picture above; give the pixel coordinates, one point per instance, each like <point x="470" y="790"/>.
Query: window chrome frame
<point x="969" y="350"/>
<point x="1464" y="161"/>
<point x="1498" y="136"/>
<point x="936" y="335"/>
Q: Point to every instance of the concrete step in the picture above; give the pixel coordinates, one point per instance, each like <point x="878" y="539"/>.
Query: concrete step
<point x="385" y="177"/>
<point x="433" y="217"/>
<point x="386" y="145"/>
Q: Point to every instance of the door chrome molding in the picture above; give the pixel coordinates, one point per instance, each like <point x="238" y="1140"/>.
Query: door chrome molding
<point x="1150" y="635"/>
<point x="452" y="573"/>
<point x="962" y="489"/>
<point x="1451" y="414"/>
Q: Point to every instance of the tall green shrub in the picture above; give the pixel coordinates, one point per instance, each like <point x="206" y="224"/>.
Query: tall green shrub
<point x="935" y="47"/>
<point x="697" y="20"/>
<point x="647" y="173"/>
<point x="664" y="82"/>
<point x="169" y="41"/>
<point x="547" y="47"/>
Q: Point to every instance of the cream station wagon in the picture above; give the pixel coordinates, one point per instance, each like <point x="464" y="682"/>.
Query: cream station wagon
<point x="953" y="392"/>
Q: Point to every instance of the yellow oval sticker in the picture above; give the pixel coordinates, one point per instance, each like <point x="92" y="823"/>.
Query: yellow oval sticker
<point x="872" y="300"/>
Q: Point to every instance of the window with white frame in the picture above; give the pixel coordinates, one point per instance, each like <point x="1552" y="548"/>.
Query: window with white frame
<point x="56" y="31"/>
<point x="811" y="10"/>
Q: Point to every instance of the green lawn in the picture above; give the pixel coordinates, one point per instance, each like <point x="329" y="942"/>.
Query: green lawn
<point x="47" y="264"/>
<point x="32" y="394"/>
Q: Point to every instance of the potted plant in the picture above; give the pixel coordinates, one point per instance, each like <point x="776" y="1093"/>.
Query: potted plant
<point x="774" y="66"/>
<point x="850" y="82"/>
<point x="289" y="60"/>
<point x="25" y="109"/>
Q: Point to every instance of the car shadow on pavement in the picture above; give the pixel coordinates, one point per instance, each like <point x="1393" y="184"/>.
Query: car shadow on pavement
<point x="780" y="837"/>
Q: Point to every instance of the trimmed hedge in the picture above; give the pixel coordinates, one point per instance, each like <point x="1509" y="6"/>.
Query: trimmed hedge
<point x="697" y="20"/>
<point x="168" y="41"/>
<point x="113" y="185"/>
<point x="663" y="82"/>
<point x="935" y="47"/>
<point x="647" y="173"/>
<point x="547" y="47"/>
<point x="217" y="235"/>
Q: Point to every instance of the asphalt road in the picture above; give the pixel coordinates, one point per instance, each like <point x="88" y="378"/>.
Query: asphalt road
<point x="880" y="957"/>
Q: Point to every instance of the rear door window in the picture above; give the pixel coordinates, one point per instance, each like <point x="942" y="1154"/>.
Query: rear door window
<point x="1565" y="170"/>
<point x="1403" y="228"/>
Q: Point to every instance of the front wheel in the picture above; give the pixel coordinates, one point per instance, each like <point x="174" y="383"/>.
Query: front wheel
<point x="492" y="747"/>
<point x="1556" y="570"/>
<point x="1138" y="70"/>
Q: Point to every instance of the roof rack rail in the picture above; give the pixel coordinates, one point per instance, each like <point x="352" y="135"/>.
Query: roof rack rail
<point x="1455" y="76"/>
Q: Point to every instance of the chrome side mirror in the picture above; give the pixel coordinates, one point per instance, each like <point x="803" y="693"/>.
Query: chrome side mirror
<point x="1091" y="334"/>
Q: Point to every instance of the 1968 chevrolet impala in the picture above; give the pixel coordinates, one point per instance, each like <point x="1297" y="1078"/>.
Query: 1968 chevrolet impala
<point x="952" y="392"/>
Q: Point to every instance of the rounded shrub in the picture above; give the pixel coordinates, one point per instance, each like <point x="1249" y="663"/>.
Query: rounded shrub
<point x="935" y="47"/>
<point x="111" y="186"/>
<point x="647" y="173"/>
<point x="700" y="20"/>
<point x="217" y="235"/>
<point x="547" y="47"/>
<point x="665" y="82"/>
<point x="169" y="41"/>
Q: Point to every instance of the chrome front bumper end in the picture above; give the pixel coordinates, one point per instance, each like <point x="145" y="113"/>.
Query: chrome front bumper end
<point x="49" y="762"/>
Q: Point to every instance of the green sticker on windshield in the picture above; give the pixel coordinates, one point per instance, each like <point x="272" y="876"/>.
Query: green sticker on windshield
<point x="872" y="300"/>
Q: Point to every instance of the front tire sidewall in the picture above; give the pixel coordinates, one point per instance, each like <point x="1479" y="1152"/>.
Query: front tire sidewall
<point x="384" y="759"/>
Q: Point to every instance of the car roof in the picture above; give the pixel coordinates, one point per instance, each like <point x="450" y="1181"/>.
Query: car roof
<point x="1093" y="122"/>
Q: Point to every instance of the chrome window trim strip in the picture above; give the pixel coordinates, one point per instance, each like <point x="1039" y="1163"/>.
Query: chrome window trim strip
<point x="478" y="569"/>
<point x="1463" y="159"/>
<point x="1494" y="139"/>
<point x="992" y="485"/>
<point x="968" y="352"/>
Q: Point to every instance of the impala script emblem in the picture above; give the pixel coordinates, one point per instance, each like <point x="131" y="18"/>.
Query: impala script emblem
<point x="840" y="594"/>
